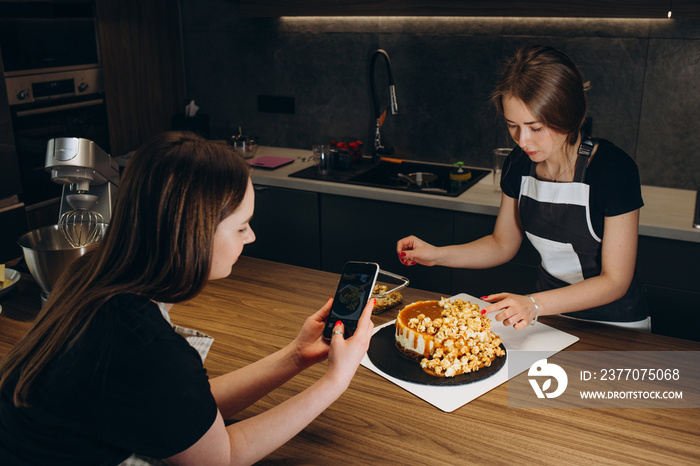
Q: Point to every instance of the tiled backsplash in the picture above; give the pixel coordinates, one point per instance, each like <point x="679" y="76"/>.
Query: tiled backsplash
<point x="644" y="76"/>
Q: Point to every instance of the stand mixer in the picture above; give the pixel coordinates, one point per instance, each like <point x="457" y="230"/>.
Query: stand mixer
<point x="90" y="178"/>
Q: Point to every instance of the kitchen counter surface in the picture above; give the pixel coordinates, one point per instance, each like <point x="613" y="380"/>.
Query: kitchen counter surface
<point x="667" y="213"/>
<point x="262" y="305"/>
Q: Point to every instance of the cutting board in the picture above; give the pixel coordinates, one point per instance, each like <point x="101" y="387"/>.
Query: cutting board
<point x="270" y="162"/>
<point x="533" y="343"/>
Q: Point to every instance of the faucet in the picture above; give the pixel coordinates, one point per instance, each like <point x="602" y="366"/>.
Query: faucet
<point x="379" y="117"/>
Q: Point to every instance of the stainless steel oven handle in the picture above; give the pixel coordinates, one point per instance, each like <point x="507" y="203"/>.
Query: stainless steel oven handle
<point x="58" y="108"/>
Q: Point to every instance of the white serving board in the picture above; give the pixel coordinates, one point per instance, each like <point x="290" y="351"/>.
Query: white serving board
<point x="540" y="339"/>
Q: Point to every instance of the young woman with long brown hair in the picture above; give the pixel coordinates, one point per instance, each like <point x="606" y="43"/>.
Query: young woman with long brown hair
<point x="103" y="375"/>
<point x="576" y="199"/>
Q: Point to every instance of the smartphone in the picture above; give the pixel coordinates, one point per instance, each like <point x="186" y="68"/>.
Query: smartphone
<point x="354" y="290"/>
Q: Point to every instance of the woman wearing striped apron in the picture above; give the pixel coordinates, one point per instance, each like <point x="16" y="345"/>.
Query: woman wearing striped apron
<point x="577" y="201"/>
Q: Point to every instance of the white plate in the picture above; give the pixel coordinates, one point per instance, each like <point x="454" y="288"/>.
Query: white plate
<point x="12" y="276"/>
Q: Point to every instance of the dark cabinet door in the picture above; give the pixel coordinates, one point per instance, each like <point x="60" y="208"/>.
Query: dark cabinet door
<point x="367" y="230"/>
<point x="141" y="48"/>
<point x="669" y="270"/>
<point x="286" y="227"/>
<point x="517" y="276"/>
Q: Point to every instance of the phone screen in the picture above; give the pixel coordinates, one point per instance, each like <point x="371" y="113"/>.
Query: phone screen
<point x="354" y="290"/>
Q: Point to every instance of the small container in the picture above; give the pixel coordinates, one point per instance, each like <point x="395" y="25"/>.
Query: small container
<point x="324" y="158"/>
<point x="9" y="281"/>
<point x="387" y="291"/>
<point x="460" y="174"/>
<point x="499" y="156"/>
<point x="342" y="159"/>
<point x="245" y="146"/>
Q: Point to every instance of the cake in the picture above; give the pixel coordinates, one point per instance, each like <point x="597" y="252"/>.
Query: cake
<point x="447" y="337"/>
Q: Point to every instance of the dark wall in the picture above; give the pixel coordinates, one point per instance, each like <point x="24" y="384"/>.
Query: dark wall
<point x="644" y="76"/>
<point x="9" y="175"/>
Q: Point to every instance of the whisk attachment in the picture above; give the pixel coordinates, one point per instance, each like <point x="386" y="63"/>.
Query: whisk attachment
<point x="82" y="226"/>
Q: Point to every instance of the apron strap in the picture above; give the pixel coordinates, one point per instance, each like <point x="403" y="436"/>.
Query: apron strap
<point x="585" y="150"/>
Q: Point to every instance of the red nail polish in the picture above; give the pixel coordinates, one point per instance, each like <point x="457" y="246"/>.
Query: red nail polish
<point x="483" y="297"/>
<point x="338" y="323"/>
<point x="403" y="254"/>
<point x="483" y="311"/>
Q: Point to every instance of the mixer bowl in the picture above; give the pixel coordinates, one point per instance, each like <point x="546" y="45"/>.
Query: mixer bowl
<point x="48" y="253"/>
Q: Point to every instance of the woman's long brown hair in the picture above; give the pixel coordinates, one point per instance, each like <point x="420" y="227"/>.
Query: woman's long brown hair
<point x="175" y="190"/>
<point x="549" y="84"/>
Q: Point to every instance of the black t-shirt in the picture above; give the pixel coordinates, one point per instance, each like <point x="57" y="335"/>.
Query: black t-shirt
<point x="613" y="184"/>
<point x="130" y="385"/>
<point x="612" y="175"/>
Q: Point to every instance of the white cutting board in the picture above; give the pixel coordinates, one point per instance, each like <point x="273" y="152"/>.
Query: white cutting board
<point x="540" y="339"/>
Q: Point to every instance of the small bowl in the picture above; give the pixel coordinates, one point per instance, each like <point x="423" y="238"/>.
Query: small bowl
<point x="245" y="146"/>
<point x="11" y="276"/>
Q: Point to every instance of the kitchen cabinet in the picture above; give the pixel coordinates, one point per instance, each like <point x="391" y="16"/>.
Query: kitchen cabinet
<point x="142" y="62"/>
<point x="512" y="8"/>
<point x="367" y="230"/>
<point x="286" y="227"/>
<point x="517" y="276"/>
<point x="670" y="272"/>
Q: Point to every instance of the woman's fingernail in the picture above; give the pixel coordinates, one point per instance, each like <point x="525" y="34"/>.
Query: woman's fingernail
<point x="483" y="311"/>
<point x="338" y="323"/>
<point x="374" y="301"/>
<point x="483" y="297"/>
<point x="403" y="254"/>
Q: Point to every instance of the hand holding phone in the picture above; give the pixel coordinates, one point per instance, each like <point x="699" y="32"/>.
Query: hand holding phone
<point x="354" y="290"/>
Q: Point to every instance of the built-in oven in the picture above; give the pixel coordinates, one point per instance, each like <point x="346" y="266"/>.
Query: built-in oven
<point x="46" y="106"/>
<point x="53" y="78"/>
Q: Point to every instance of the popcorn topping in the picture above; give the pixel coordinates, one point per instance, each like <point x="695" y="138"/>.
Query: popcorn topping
<point x="463" y="339"/>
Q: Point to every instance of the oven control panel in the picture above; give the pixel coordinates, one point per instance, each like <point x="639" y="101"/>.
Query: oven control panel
<point x="43" y="87"/>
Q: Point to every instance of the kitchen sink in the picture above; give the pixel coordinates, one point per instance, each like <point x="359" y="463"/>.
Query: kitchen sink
<point x="399" y="175"/>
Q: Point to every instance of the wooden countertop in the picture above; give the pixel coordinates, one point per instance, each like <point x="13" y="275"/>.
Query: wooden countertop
<point x="667" y="213"/>
<point x="262" y="305"/>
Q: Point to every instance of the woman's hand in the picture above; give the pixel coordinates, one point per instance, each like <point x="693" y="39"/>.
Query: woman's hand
<point x="310" y="346"/>
<point x="513" y="309"/>
<point x="412" y="251"/>
<point x="345" y="355"/>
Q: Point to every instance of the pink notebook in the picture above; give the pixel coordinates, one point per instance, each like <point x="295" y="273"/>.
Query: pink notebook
<point x="270" y="162"/>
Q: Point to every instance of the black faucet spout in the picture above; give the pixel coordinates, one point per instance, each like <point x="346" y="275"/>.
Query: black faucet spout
<point x="380" y="115"/>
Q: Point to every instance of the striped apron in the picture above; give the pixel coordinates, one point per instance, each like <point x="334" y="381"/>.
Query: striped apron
<point x="556" y="220"/>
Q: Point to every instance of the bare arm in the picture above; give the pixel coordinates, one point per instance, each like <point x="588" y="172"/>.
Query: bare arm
<point x="489" y="251"/>
<point x="237" y="390"/>
<point x="619" y="255"/>
<point x="250" y="440"/>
